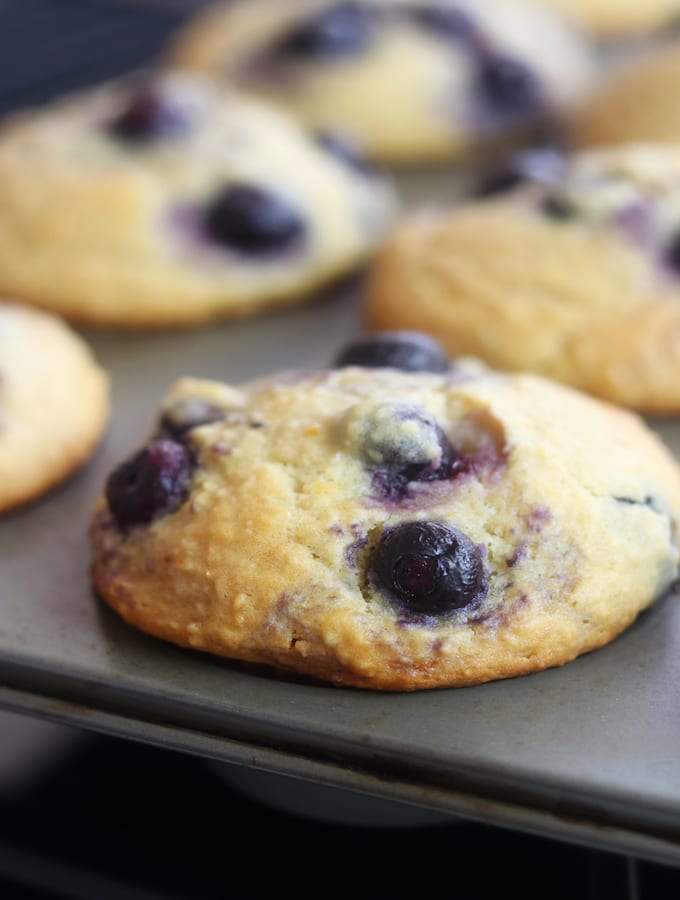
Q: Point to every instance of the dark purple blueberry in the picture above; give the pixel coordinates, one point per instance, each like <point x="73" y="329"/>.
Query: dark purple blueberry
<point x="148" y="116"/>
<point x="253" y="220"/>
<point x="346" y="150"/>
<point x="508" y="87"/>
<point x="634" y="501"/>
<point x="402" y="455"/>
<point x="187" y="414"/>
<point x="410" y="351"/>
<point x="152" y="483"/>
<point x="428" y="569"/>
<point x="344" y="29"/>
<point x="558" y="208"/>
<point x="436" y="470"/>
<point x="541" y="166"/>
<point x="443" y="19"/>
<point x="392" y="482"/>
<point x="673" y="253"/>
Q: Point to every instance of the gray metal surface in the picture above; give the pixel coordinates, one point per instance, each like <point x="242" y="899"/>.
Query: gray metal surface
<point x="588" y="753"/>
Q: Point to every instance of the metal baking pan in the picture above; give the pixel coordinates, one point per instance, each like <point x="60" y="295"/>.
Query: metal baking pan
<point x="588" y="753"/>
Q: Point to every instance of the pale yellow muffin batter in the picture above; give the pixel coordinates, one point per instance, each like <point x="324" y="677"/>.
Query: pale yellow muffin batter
<point x="174" y="202"/>
<point x="389" y="530"/>
<point x="615" y="19"/>
<point x="54" y="403"/>
<point x="638" y="101"/>
<point x="413" y="82"/>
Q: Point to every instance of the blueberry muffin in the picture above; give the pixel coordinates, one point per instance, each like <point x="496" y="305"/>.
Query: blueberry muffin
<point x="172" y="202"/>
<point x="636" y="102"/>
<point x="572" y="272"/>
<point x="389" y="526"/>
<point x="54" y="403"/>
<point x="617" y="19"/>
<point x="412" y="81"/>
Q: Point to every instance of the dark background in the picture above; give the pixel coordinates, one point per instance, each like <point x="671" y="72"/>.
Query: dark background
<point x="106" y="819"/>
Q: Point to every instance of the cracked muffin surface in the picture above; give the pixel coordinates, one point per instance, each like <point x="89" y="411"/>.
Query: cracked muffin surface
<point x="385" y="529"/>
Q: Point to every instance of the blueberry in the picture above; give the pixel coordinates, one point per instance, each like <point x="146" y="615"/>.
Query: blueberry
<point x="254" y="220"/>
<point x="344" y="29"/>
<point x="673" y="253"/>
<point x="404" y="444"/>
<point x="184" y="415"/>
<point x="555" y="207"/>
<point x="542" y="166"/>
<point x="443" y="19"/>
<point x="507" y="86"/>
<point x="428" y="569"/>
<point x="346" y="150"/>
<point x="148" y="116"/>
<point x="392" y="482"/>
<point x="151" y="483"/>
<point x="410" y="351"/>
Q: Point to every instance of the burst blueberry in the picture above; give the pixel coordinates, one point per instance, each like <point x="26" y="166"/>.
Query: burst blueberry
<point x="396" y="482"/>
<point x="344" y="29"/>
<point x="151" y="483"/>
<point x="404" y="444"/>
<point x="253" y="220"/>
<point x="428" y="569"/>
<point x="409" y="351"/>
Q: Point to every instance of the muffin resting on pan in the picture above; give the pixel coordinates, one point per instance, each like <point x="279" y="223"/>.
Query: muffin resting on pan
<point x="54" y="403"/>
<point x="414" y="82"/>
<point x="372" y="527"/>
<point x="174" y="202"/>
<point x="572" y="272"/>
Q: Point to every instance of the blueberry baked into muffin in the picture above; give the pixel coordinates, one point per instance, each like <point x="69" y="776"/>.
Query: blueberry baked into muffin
<point x="412" y="81"/>
<point x="54" y="403"/>
<point x="392" y="522"/>
<point x="168" y="201"/>
<point x="572" y="272"/>
<point x="637" y="101"/>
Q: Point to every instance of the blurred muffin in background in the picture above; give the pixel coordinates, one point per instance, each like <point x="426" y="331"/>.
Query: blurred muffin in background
<point x="54" y="403"/>
<point x="413" y="82"/>
<point x="617" y="19"/>
<point x="572" y="273"/>
<point x="173" y="202"/>
<point x="637" y="102"/>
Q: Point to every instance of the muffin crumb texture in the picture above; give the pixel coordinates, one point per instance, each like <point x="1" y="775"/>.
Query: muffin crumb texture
<point x="377" y="528"/>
